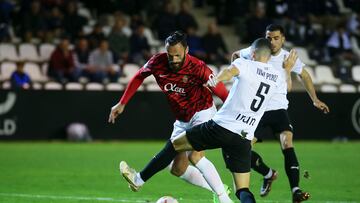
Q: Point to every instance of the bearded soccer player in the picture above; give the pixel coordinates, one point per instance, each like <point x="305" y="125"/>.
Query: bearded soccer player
<point x="181" y="77"/>
<point x="276" y="116"/>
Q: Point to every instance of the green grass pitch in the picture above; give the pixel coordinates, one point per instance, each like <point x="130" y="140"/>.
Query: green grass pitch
<point x="44" y="172"/>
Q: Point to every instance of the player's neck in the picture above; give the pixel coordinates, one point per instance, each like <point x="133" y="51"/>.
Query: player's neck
<point x="276" y="53"/>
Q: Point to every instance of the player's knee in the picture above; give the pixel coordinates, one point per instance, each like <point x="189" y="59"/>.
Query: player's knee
<point x="286" y="139"/>
<point x="194" y="157"/>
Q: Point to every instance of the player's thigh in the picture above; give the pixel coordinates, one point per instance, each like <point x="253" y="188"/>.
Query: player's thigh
<point x="180" y="164"/>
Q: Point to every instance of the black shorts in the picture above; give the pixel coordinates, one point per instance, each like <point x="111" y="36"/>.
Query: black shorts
<point x="236" y="150"/>
<point x="277" y="120"/>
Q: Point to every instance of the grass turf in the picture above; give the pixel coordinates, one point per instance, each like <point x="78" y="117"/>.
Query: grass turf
<point x="69" y="172"/>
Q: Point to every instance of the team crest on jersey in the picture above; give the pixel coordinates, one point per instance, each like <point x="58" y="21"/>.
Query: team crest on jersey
<point x="185" y="79"/>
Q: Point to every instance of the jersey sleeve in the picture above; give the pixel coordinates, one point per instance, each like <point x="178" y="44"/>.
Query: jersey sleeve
<point x="204" y="72"/>
<point x="245" y="53"/>
<point x="138" y="79"/>
<point x="298" y="66"/>
<point x="149" y="66"/>
<point x="241" y="64"/>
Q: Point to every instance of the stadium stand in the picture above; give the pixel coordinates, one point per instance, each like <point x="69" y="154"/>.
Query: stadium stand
<point x="35" y="48"/>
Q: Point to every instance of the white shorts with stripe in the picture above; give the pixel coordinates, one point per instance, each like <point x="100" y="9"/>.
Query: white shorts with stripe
<point x="197" y="119"/>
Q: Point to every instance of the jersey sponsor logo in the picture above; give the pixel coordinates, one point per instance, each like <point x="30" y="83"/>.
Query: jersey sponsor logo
<point x="355" y="116"/>
<point x="246" y="119"/>
<point x="173" y="88"/>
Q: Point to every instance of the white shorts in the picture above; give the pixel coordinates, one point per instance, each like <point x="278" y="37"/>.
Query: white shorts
<point x="197" y="119"/>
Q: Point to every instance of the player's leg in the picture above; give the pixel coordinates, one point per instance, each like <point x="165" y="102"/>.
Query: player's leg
<point x="237" y="157"/>
<point x="209" y="172"/>
<point x="257" y="163"/>
<point x="243" y="193"/>
<point x="291" y="163"/>
<point x="292" y="167"/>
<point x="200" y="139"/>
<point x="180" y="167"/>
<point x="159" y="162"/>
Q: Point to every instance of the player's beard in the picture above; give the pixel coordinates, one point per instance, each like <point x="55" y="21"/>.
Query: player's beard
<point x="178" y="65"/>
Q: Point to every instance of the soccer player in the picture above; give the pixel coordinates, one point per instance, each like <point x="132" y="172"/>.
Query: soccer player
<point x="181" y="77"/>
<point x="232" y="128"/>
<point x="276" y="116"/>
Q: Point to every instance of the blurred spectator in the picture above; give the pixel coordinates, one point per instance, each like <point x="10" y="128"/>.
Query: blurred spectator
<point x="119" y="42"/>
<point x="339" y="47"/>
<point x="118" y="16"/>
<point x="184" y="18"/>
<point x="73" y="23"/>
<point x="256" y="24"/>
<point x="96" y="36"/>
<point x="82" y="54"/>
<point x="139" y="46"/>
<point x="165" y="23"/>
<point x="102" y="65"/>
<point x="33" y="22"/>
<point x="214" y="46"/>
<point x="54" y="24"/>
<point x="62" y="65"/>
<point x="19" y="79"/>
<point x="195" y="44"/>
<point x="6" y="11"/>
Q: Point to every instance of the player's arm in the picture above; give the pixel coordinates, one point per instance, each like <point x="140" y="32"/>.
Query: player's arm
<point x="225" y="75"/>
<point x="130" y="90"/>
<point x="288" y="65"/>
<point x="309" y="86"/>
<point x="220" y="91"/>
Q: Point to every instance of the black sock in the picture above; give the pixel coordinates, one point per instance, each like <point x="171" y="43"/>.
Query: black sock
<point x="245" y="196"/>
<point x="292" y="167"/>
<point x="258" y="165"/>
<point x="159" y="162"/>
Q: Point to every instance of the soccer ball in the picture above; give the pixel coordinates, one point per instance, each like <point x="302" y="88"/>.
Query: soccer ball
<point x="167" y="199"/>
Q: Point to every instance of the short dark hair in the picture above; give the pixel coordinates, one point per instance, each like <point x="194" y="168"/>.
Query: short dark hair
<point x="177" y="37"/>
<point x="261" y="46"/>
<point x="276" y="27"/>
<point x="261" y="43"/>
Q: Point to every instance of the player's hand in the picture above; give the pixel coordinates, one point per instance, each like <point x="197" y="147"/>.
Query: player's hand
<point x="115" y="112"/>
<point x="321" y="106"/>
<point x="290" y="61"/>
<point x="212" y="82"/>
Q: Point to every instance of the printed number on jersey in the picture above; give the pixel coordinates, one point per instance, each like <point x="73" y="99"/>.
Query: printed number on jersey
<point x="261" y="92"/>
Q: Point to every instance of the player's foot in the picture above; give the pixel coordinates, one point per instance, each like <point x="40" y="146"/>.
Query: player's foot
<point x="300" y="196"/>
<point x="266" y="187"/>
<point x="216" y="197"/>
<point x="129" y="174"/>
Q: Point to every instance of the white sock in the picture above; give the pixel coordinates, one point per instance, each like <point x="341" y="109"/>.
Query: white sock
<point x="213" y="179"/>
<point x="194" y="176"/>
<point x="294" y="189"/>
<point x="138" y="180"/>
<point x="269" y="174"/>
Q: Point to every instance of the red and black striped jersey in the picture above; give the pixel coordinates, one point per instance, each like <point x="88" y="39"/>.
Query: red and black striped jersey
<point x="184" y="88"/>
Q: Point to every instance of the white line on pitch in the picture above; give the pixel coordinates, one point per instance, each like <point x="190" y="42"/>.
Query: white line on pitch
<point x="135" y="200"/>
<point x="108" y="199"/>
